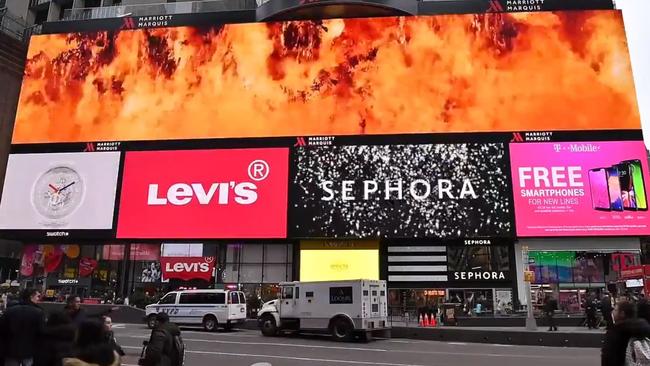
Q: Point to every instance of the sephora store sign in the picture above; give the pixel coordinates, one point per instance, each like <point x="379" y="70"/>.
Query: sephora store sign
<point x="442" y="190"/>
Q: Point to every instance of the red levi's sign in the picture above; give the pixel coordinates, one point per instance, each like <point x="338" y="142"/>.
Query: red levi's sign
<point x="187" y="268"/>
<point x="228" y="193"/>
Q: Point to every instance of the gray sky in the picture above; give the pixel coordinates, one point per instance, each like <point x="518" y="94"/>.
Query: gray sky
<point x="637" y="27"/>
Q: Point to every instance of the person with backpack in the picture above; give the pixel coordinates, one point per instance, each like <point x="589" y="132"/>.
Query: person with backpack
<point x="628" y="338"/>
<point x="165" y="346"/>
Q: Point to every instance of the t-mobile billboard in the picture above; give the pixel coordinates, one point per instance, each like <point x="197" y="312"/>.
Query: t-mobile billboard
<point x="427" y="190"/>
<point x="580" y="188"/>
<point x="235" y="193"/>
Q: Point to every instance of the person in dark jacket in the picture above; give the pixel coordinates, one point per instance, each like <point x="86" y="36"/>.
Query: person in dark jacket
<point x="22" y="325"/>
<point x="590" y="312"/>
<point x="550" y="305"/>
<point x="73" y="309"/>
<point x="160" y="347"/>
<point x="606" y="309"/>
<point x="108" y="326"/>
<point x="92" y="346"/>
<point x="57" y="340"/>
<point x="626" y="325"/>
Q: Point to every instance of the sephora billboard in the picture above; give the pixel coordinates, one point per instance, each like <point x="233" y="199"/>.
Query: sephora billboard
<point x="441" y="190"/>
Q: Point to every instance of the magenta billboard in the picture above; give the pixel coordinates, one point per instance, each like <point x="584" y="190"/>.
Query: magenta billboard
<point x="580" y="188"/>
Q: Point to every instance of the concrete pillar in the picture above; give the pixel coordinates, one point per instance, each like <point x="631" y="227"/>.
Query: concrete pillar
<point x="54" y="12"/>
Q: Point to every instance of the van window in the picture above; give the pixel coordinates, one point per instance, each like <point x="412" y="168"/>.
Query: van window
<point x="168" y="299"/>
<point x="309" y="293"/>
<point x="297" y="292"/>
<point x="190" y="299"/>
<point x="215" y="298"/>
<point x="242" y="298"/>
<point x="287" y="292"/>
<point x="234" y="298"/>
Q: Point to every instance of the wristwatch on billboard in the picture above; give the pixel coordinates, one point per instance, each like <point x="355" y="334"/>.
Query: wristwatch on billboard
<point x="58" y="192"/>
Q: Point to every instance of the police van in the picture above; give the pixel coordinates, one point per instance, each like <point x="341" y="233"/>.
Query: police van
<point x="207" y="308"/>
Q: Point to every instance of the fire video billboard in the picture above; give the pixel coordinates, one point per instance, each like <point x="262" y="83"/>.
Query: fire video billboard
<point x="580" y="188"/>
<point x="402" y="191"/>
<point x="391" y="75"/>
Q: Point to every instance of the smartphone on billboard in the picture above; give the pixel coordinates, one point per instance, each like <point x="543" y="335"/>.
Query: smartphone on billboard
<point x="627" y="188"/>
<point x="614" y="188"/>
<point x="599" y="193"/>
<point x="636" y="172"/>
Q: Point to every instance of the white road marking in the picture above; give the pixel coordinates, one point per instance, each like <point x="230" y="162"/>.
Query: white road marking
<point x="296" y="358"/>
<point x="277" y="344"/>
<point x="457" y="343"/>
<point x="262" y="364"/>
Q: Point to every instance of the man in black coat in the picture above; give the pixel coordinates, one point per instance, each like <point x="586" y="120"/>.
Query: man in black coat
<point x="160" y="348"/>
<point x="606" y="309"/>
<point x="57" y="340"/>
<point x="550" y="305"/>
<point x="22" y="326"/>
<point x="626" y="326"/>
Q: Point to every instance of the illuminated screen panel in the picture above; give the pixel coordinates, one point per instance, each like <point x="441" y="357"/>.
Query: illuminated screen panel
<point x="331" y="261"/>
<point x="453" y="73"/>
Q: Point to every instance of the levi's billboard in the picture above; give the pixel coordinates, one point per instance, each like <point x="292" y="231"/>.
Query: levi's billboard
<point x="187" y="268"/>
<point x="580" y="188"/>
<point x="231" y="193"/>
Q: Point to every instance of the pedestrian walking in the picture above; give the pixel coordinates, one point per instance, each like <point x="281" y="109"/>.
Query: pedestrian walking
<point x="626" y="326"/>
<point x="22" y="326"/>
<point x="550" y="305"/>
<point x="165" y="346"/>
<point x="606" y="308"/>
<point x="590" y="312"/>
<point x="108" y="326"/>
<point x="73" y="309"/>
<point x="57" y="340"/>
<point x="92" y="347"/>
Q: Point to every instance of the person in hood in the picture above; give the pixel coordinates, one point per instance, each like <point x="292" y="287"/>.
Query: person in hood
<point x="626" y="325"/>
<point x="160" y="348"/>
<point x="22" y="326"/>
<point x="92" y="347"/>
<point x="57" y="340"/>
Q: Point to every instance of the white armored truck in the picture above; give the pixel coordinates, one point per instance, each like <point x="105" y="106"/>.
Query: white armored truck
<point x="345" y="309"/>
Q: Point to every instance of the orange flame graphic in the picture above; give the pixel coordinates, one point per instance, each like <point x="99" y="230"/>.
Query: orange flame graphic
<point x="457" y="73"/>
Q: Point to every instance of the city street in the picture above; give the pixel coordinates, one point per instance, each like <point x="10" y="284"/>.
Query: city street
<point x="247" y="347"/>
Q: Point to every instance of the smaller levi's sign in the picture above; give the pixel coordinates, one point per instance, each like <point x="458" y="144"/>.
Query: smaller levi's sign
<point x="187" y="268"/>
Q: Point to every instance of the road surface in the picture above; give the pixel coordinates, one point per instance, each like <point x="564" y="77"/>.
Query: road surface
<point x="247" y="347"/>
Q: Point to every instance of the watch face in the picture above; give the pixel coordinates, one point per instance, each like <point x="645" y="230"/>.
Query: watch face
<point x="58" y="192"/>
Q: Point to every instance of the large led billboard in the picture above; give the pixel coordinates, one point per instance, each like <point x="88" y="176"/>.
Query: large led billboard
<point x="228" y="193"/>
<point x="60" y="191"/>
<point x="425" y="190"/>
<point x="392" y="75"/>
<point x="581" y="188"/>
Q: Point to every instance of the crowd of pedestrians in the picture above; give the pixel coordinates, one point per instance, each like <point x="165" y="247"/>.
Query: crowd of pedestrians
<point x="29" y="337"/>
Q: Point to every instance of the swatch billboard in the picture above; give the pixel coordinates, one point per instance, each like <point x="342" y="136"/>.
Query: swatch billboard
<point x="364" y="76"/>
<point x="228" y="193"/>
<point x="580" y="188"/>
<point x="402" y="191"/>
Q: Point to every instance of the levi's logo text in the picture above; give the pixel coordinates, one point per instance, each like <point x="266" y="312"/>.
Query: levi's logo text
<point x="187" y="268"/>
<point x="204" y="193"/>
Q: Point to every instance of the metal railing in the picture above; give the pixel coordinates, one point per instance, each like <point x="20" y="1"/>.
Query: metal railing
<point x="186" y="7"/>
<point x="16" y="27"/>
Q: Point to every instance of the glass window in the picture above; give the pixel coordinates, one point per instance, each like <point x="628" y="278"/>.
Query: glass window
<point x="168" y="299"/>
<point x="215" y="298"/>
<point x="287" y="292"/>
<point x="275" y="273"/>
<point x="234" y="298"/>
<point x="297" y="292"/>
<point x="253" y="253"/>
<point x="250" y="273"/>
<point x="190" y="299"/>
<point x="242" y="298"/>
<point x="275" y="253"/>
<point x="478" y="258"/>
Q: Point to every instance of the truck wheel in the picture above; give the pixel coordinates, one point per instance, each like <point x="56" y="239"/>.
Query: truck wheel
<point x="151" y="321"/>
<point x="269" y="327"/>
<point x="341" y="329"/>
<point x="210" y="323"/>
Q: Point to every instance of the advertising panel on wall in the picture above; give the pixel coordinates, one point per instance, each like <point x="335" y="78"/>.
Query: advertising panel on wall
<point x="580" y="188"/>
<point x="425" y="190"/>
<point x="364" y="76"/>
<point x="330" y="260"/>
<point x="59" y="192"/>
<point x="228" y="193"/>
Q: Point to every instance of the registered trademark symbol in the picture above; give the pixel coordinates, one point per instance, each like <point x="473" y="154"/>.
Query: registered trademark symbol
<point x="258" y="170"/>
